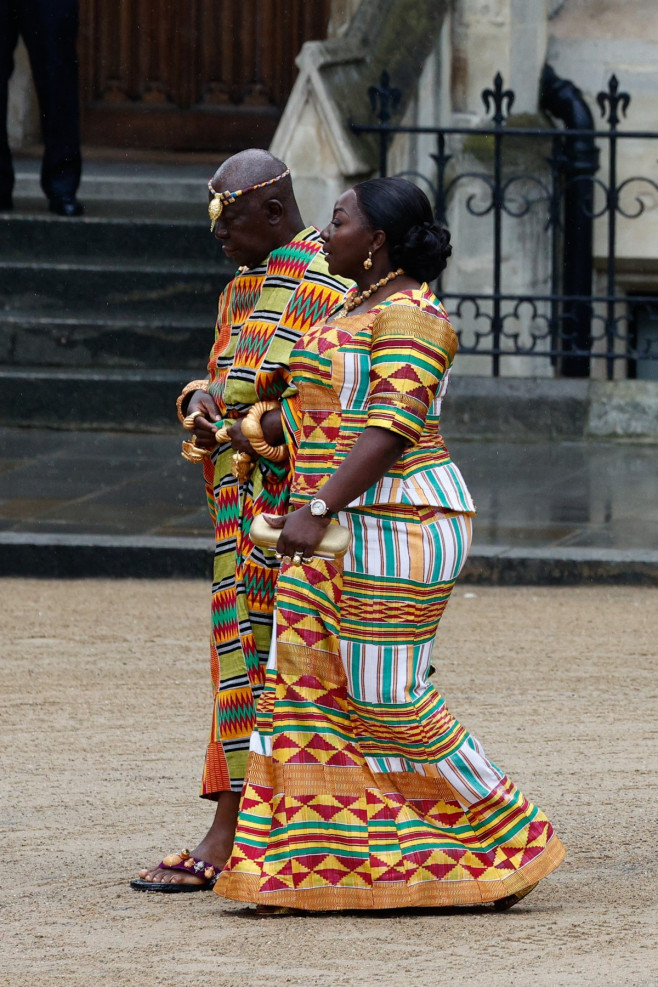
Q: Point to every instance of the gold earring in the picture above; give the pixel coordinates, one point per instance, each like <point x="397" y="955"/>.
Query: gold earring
<point x="368" y="261"/>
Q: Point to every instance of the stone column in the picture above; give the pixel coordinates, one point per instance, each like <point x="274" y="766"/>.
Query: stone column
<point x="506" y="36"/>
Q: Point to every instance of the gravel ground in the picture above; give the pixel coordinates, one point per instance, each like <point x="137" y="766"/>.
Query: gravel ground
<point x="103" y="724"/>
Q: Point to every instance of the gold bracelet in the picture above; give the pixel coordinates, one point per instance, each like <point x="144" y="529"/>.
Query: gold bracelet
<point x="194" y="385"/>
<point x="252" y="430"/>
<point x="191" y="451"/>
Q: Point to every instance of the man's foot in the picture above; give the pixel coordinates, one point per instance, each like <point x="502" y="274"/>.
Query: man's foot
<point x="196" y="874"/>
<point x="66" y="205"/>
<point x="214" y="850"/>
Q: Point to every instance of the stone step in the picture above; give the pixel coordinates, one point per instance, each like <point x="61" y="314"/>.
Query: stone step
<point x="125" y="180"/>
<point x="34" y="236"/>
<point x="64" y="556"/>
<point x="129" y="400"/>
<point x="114" y="288"/>
<point x="103" y="318"/>
<point x="119" y="290"/>
<point x="87" y="341"/>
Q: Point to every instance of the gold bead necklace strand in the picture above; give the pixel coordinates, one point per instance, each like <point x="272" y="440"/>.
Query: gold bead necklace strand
<point x="353" y="303"/>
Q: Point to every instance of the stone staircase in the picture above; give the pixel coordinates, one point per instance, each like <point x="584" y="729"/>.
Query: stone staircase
<point x="103" y="318"/>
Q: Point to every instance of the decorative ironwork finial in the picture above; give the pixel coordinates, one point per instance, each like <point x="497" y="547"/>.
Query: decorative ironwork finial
<point x="388" y="97"/>
<point x="613" y="100"/>
<point x="499" y="97"/>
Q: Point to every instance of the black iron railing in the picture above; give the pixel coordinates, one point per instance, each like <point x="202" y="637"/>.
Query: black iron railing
<point x="569" y="323"/>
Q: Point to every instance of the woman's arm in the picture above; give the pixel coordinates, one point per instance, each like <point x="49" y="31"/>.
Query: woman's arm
<point x="410" y="352"/>
<point x="371" y="457"/>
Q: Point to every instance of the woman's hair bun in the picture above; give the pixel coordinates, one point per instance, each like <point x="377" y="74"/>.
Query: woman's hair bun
<point x="424" y="250"/>
<point x="416" y="242"/>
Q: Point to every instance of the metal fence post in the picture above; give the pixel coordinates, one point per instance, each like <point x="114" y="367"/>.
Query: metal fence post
<point x="613" y="100"/>
<point x="498" y="97"/>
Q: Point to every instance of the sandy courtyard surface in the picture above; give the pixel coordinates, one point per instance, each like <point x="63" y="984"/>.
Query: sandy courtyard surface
<point x="103" y="722"/>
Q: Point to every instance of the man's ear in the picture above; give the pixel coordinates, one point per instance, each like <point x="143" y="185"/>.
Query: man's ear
<point x="274" y="211"/>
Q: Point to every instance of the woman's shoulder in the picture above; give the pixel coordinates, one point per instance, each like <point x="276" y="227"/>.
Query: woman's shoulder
<point x="416" y="312"/>
<point x="422" y="298"/>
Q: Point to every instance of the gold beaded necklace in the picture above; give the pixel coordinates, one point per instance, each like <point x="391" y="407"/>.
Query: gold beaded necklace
<point x="356" y="300"/>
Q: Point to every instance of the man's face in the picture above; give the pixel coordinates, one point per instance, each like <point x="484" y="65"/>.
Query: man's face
<point x="243" y="229"/>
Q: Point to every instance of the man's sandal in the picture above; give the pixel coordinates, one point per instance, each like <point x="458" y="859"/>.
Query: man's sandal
<point x="190" y="865"/>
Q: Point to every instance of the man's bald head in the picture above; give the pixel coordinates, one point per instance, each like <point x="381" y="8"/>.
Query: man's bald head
<point x="250" y="167"/>
<point x="250" y="226"/>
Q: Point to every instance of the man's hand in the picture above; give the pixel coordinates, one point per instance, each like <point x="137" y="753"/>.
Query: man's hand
<point x="239" y="442"/>
<point x="204" y="431"/>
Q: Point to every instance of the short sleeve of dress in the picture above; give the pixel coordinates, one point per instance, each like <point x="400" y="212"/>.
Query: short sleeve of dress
<point x="412" y="349"/>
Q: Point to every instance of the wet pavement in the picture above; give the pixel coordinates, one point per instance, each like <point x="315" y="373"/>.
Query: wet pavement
<point x="563" y="505"/>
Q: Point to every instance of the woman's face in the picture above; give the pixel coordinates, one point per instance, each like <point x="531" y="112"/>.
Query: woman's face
<point x="347" y="238"/>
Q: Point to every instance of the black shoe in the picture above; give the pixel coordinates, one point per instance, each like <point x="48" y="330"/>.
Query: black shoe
<point x="66" y="206"/>
<point x="6" y="204"/>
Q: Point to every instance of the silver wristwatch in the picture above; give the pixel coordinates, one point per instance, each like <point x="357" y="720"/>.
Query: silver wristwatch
<point x="319" y="507"/>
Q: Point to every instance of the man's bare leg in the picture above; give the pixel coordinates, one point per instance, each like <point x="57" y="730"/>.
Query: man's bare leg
<point x="215" y="847"/>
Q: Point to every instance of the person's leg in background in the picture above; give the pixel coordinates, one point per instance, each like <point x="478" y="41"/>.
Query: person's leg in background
<point x="49" y="29"/>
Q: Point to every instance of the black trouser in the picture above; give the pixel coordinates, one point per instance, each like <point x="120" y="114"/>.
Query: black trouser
<point x="49" y="29"/>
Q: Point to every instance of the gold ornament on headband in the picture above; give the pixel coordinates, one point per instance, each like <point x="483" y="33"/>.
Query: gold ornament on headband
<point x="220" y="199"/>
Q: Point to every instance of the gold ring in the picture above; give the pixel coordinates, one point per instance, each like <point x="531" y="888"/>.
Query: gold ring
<point x="297" y="558"/>
<point x="307" y="558"/>
<point x="278" y="555"/>
<point x="188" y="421"/>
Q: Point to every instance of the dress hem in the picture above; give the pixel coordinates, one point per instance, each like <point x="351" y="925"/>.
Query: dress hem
<point x="423" y="894"/>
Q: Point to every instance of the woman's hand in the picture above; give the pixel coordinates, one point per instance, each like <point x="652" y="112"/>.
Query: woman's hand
<point x="300" y="532"/>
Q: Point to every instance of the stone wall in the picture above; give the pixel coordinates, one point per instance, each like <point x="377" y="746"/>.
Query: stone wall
<point x="479" y="39"/>
<point x="332" y="88"/>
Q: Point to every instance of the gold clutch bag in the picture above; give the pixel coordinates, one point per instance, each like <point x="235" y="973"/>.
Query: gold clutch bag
<point x="334" y="544"/>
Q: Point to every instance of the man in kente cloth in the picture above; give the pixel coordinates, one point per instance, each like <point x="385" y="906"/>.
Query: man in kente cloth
<point x="281" y="289"/>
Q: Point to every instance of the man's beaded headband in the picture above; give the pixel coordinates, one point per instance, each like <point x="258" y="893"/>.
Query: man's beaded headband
<point x="220" y="199"/>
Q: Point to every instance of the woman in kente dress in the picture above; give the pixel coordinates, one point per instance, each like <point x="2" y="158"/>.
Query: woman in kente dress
<point x="362" y="789"/>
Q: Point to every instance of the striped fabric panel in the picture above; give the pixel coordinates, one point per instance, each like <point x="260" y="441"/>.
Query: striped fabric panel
<point x="261" y="315"/>
<point x="382" y="613"/>
<point x="267" y="310"/>
<point x="423" y="730"/>
<point x="411" y="351"/>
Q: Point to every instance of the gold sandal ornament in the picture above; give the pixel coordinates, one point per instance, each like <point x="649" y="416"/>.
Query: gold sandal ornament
<point x="185" y="860"/>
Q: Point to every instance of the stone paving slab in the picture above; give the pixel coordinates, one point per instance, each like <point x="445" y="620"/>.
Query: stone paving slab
<point x="106" y="503"/>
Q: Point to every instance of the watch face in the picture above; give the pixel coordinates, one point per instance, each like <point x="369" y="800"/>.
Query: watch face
<point x="318" y="507"/>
